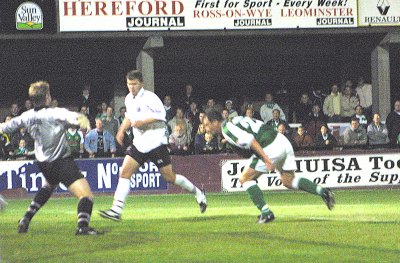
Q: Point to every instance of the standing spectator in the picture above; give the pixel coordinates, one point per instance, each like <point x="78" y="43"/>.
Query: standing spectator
<point x="88" y="101"/>
<point x="192" y="115"/>
<point x="324" y="139"/>
<point x="316" y="120"/>
<point x="179" y="141"/>
<point x="27" y="105"/>
<point x="364" y="94"/>
<point x="102" y="111"/>
<point x="377" y="132"/>
<point x="188" y="97"/>
<point x="75" y="141"/>
<point x="332" y="105"/>
<point x="199" y="139"/>
<point x="15" y="110"/>
<point x="232" y="113"/>
<point x="348" y="102"/>
<point x="110" y="123"/>
<point x="301" y="139"/>
<point x="100" y="142"/>
<point x="6" y="148"/>
<point x="302" y="110"/>
<point x="393" y="123"/>
<point x="179" y="119"/>
<point x="121" y="116"/>
<point x="359" y="113"/>
<point x="169" y="110"/>
<point x="276" y="120"/>
<point x="354" y="135"/>
<point x="211" y="104"/>
<point x="268" y="107"/>
<point x="317" y="96"/>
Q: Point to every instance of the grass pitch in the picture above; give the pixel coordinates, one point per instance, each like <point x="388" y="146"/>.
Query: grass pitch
<point x="364" y="227"/>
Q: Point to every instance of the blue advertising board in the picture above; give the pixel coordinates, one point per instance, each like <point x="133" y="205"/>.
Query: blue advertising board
<point x="102" y="175"/>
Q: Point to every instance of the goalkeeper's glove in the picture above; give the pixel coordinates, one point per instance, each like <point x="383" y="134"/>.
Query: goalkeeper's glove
<point x="83" y="122"/>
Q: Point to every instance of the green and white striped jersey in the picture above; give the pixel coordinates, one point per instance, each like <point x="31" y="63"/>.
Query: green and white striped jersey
<point x="241" y="132"/>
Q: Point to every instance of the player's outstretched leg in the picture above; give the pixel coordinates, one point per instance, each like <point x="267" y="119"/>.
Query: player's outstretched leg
<point x="257" y="196"/>
<point x="200" y="196"/>
<point x="310" y="187"/>
<point x="122" y="191"/>
<point x="38" y="201"/>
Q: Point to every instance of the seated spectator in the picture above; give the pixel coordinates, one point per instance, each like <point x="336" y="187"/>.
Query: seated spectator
<point x="354" y="135"/>
<point x="301" y="139"/>
<point x="6" y="149"/>
<point x="15" y="110"/>
<point x="211" y="144"/>
<point x="22" y="134"/>
<point x="121" y="117"/>
<point x="179" y="119"/>
<point x="266" y="110"/>
<point x="22" y="152"/>
<point x="102" y="111"/>
<point x="287" y="132"/>
<point x="199" y="139"/>
<point x="75" y="141"/>
<point x="302" y="110"/>
<point x="27" y="105"/>
<point x="179" y="141"/>
<point x="110" y="123"/>
<point x="232" y="113"/>
<point x="276" y="120"/>
<point x="316" y="120"/>
<point x="100" y="142"/>
<point x="361" y="117"/>
<point x="377" y="132"/>
<point x="324" y="139"/>
<point x="393" y="124"/>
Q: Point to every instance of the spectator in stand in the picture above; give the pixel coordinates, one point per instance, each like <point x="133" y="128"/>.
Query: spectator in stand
<point x="364" y="94"/>
<point x="268" y="107"/>
<point x="377" y="132"/>
<point x="249" y="112"/>
<point x="199" y="139"/>
<point x="110" y="123"/>
<point x="317" y="96"/>
<point x="393" y="123"/>
<point x="332" y="105"/>
<point x="84" y="111"/>
<point x="246" y="102"/>
<point x="211" y="104"/>
<point x="75" y="141"/>
<point x="128" y="138"/>
<point x="88" y="101"/>
<point x="54" y="103"/>
<point x="169" y="110"/>
<point x="100" y="142"/>
<point x="6" y="149"/>
<point x="348" y="102"/>
<point x="303" y="109"/>
<point x="22" y="134"/>
<point x="324" y="139"/>
<point x="22" y="152"/>
<point x="232" y="113"/>
<point x="211" y="144"/>
<point x="179" y="141"/>
<point x="179" y="119"/>
<point x="27" y="105"/>
<point x="301" y="139"/>
<point x="316" y="120"/>
<point x="282" y="128"/>
<point x="188" y="97"/>
<point x="193" y="117"/>
<point x="121" y="116"/>
<point x="15" y="110"/>
<point x="102" y="113"/>
<point x="276" y="120"/>
<point x="359" y="113"/>
<point x="354" y="135"/>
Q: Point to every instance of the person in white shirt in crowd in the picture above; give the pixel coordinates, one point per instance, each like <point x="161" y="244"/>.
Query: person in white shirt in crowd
<point x="364" y="94"/>
<point x="266" y="110"/>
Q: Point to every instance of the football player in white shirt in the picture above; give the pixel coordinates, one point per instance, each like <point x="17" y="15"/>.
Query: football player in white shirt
<point x="145" y="113"/>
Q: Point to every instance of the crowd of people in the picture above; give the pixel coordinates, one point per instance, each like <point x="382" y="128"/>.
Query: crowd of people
<point x="311" y="114"/>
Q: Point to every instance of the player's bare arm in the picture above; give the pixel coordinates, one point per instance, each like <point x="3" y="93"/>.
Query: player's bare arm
<point x="256" y="147"/>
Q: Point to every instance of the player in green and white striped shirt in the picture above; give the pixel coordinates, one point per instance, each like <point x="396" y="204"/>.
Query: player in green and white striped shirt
<point x="270" y="151"/>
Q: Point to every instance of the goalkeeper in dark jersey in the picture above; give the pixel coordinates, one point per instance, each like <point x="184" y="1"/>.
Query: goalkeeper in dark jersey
<point x="270" y="150"/>
<point x="47" y="127"/>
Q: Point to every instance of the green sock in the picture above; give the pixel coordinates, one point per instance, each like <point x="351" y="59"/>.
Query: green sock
<point x="308" y="186"/>
<point x="257" y="196"/>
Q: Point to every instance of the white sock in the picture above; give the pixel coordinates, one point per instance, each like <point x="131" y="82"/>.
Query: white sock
<point x="183" y="182"/>
<point x="122" y="191"/>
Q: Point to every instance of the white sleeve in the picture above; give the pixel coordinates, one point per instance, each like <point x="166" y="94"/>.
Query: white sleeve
<point x="237" y="136"/>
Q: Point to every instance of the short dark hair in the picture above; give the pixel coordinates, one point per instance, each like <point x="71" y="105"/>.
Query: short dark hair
<point x="213" y="115"/>
<point x="355" y="119"/>
<point x="135" y="74"/>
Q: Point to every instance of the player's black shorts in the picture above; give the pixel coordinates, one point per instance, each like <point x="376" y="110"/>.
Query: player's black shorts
<point x="60" y="171"/>
<point x="159" y="156"/>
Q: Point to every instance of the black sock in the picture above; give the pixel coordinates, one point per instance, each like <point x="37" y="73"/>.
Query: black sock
<point x="84" y="211"/>
<point x="38" y="201"/>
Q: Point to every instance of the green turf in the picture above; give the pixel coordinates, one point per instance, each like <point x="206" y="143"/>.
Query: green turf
<point x="364" y="227"/>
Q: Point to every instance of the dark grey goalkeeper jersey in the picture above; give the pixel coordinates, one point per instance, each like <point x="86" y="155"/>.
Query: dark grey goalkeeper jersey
<point x="47" y="127"/>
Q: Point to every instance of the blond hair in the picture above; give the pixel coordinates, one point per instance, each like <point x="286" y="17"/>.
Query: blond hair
<point x="38" y="92"/>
